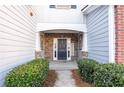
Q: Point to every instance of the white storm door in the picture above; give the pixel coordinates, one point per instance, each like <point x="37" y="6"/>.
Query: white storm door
<point x="68" y="48"/>
<point x="55" y="49"/>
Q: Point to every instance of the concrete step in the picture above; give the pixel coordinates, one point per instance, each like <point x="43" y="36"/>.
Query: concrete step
<point x="63" y="65"/>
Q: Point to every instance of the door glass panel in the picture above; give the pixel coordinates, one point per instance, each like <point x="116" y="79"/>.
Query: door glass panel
<point x="62" y="49"/>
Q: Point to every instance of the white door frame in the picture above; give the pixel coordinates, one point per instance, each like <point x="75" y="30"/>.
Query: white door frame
<point x="55" y="48"/>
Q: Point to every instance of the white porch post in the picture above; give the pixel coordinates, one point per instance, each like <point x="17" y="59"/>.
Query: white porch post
<point x="38" y="46"/>
<point x="84" y="45"/>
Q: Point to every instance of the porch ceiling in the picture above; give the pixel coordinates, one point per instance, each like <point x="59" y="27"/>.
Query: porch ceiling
<point x="61" y="31"/>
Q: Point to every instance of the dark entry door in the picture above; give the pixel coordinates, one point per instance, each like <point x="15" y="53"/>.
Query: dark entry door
<point x="62" y="49"/>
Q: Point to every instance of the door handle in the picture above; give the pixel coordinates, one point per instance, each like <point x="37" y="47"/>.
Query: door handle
<point x="55" y="54"/>
<point x="68" y="53"/>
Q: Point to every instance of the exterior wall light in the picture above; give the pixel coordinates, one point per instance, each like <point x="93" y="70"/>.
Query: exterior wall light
<point x="31" y="14"/>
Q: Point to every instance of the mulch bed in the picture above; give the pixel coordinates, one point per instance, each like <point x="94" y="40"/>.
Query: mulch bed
<point x="78" y="81"/>
<point x="52" y="77"/>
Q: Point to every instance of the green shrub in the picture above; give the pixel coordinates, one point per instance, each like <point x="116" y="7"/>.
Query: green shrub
<point x="102" y="75"/>
<point x="109" y="75"/>
<point x="32" y="74"/>
<point x="86" y="69"/>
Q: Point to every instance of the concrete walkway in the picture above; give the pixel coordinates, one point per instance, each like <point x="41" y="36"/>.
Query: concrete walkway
<point x="63" y="70"/>
<point x="65" y="79"/>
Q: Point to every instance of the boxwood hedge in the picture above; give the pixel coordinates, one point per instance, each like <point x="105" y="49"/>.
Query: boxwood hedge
<point x="32" y="74"/>
<point x="102" y="75"/>
<point x="86" y="68"/>
<point x="109" y="75"/>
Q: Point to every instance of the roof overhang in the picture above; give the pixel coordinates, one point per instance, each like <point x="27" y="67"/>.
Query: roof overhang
<point x="42" y="27"/>
<point x="89" y="8"/>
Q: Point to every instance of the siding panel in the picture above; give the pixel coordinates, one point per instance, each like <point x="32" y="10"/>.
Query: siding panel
<point x="17" y="38"/>
<point x="97" y="27"/>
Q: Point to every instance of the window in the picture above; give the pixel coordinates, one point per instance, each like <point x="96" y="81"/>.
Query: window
<point x="51" y="6"/>
<point x="63" y="6"/>
<point x="73" y="6"/>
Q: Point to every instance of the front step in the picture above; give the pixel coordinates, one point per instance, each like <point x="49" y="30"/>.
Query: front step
<point x="63" y="65"/>
<point x="62" y="61"/>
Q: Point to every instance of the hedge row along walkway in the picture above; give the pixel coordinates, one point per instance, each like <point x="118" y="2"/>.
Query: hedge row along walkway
<point x="78" y="81"/>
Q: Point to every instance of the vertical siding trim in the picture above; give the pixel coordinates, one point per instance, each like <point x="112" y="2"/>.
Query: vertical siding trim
<point x="111" y="23"/>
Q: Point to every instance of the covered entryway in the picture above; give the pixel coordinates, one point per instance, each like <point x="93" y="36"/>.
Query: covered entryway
<point x="65" y="44"/>
<point x="62" y="44"/>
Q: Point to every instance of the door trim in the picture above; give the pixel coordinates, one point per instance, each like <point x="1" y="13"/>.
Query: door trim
<point x="55" y="48"/>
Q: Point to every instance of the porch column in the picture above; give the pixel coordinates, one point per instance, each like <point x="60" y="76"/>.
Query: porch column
<point x="84" y="46"/>
<point x="38" y="46"/>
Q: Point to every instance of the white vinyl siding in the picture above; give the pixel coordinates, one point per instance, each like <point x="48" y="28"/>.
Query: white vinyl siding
<point x="17" y="37"/>
<point x="98" y="41"/>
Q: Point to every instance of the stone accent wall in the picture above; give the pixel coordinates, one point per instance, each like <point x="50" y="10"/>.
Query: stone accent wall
<point x="38" y="54"/>
<point x="84" y="54"/>
<point x="119" y="24"/>
<point x="48" y="41"/>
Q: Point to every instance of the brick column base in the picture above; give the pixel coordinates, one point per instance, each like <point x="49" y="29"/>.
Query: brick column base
<point x="84" y="54"/>
<point x="38" y="54"/>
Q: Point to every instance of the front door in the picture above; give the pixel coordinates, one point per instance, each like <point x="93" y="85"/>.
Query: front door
<point x="62" y="49"/>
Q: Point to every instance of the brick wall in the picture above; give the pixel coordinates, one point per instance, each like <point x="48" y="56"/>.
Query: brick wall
<point x="48" y="41"/>
<point x="119" y="24"/>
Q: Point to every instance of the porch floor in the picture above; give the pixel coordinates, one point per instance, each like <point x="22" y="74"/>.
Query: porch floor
<point x="63" y="65"/>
